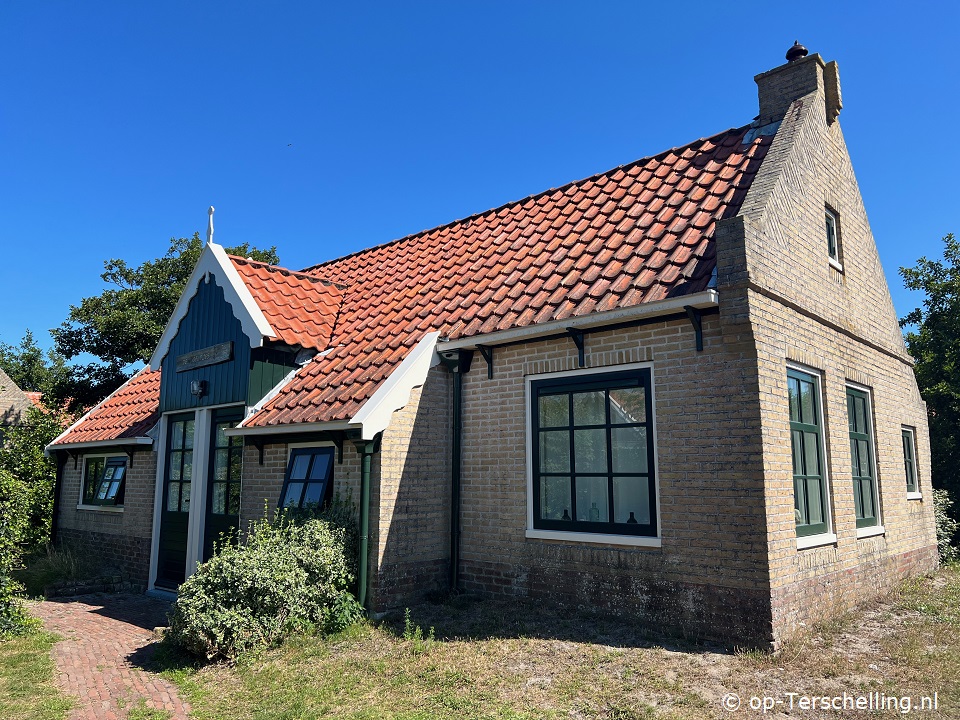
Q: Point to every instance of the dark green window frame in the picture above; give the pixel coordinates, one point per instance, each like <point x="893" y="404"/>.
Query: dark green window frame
<point x="910" y="459"/>
<point x="226" y="464"/>
<point x="866" y="497"/>
<point x="593" y="455"/>
<point x="98" y="489"/>
<point x="308" y="481"/>
<point x="810" y="499"/>
<point x="179" y="465"/>
<point x="833" y="234"/>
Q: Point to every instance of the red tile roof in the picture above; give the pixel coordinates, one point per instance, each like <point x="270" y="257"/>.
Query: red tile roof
<point x="301" y="309"/>
<point x="130" y="412"/>
<point x="638" y="233"/>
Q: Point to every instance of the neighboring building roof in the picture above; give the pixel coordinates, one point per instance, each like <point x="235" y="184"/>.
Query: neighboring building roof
<point x="636" y="234"/>
<point x="302" y="309"/>
<point x="36" y="398"/>
<point x="14" y="402"/>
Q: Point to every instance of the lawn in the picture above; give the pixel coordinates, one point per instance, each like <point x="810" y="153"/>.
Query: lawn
<point x="27" y="691"/>
<point x="504" y="660"/>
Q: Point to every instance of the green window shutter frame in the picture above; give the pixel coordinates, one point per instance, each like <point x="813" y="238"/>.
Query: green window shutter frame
<point x="811" y="509"/>
<point x="909" y="459"/>
<point x="864" y="475"/>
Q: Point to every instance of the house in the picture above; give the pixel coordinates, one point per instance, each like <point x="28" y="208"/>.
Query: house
<point x="14" y="402"/>
<point x="676" y="390"/>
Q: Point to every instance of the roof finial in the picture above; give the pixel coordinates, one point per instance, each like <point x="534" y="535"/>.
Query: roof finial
<point x="210" y="227"/>
<point x="796" y="52"/>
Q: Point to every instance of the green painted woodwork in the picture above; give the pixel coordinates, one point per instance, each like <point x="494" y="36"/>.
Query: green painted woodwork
<point x="806" y="436"/>
<point x="267" y="368"/>
<point x="223" y="480"/>
<point x="861" y="458"/>
<point x="175" y="513"/>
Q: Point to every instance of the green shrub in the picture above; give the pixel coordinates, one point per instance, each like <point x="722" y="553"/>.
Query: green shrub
<point x="946" y="526"/>
<point x="285" y="576"/>
<point x="14" y="522"/>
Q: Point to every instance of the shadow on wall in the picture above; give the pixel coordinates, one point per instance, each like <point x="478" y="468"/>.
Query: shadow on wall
<point x="412" y="531"/>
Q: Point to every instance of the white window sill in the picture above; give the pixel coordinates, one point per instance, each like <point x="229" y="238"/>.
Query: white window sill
<point x="631" y="540"/>
<point x="870" y="531"/>
<point x="102" y="508"/>
<point x="835" y="265"/>
<point x="809" y="541"/>
<point x="914" y="496"/>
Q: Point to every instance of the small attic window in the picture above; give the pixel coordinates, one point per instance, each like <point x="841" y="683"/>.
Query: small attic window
<point x="833" y="238"/>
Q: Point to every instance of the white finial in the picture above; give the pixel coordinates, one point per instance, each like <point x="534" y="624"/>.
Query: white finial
<point x="210" y="227"/>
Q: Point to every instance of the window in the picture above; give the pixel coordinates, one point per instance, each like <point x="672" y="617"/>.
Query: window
<point x="109" y="490"/>
<point x="180" y="463"/>
<point x="833" y="236"/>
<point x="92" y="470"/>
<point x="865" y="497"/>
<point x="307" y="481"/>
<point x="592" y="454"/>
<point x="227" y="459"/>
<point x="811" y="508"/>
<point x="910" y="460"/>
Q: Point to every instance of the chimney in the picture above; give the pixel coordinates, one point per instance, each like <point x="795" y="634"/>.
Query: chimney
<point x="802" y="75"/>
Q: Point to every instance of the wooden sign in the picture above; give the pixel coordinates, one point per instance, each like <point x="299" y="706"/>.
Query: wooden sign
<point x="205" y="356"/>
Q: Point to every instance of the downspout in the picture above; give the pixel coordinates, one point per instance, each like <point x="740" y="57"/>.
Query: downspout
<point x="57" y="489"/>
<point x="457" y="362"/>
<point x="366" y="448"/>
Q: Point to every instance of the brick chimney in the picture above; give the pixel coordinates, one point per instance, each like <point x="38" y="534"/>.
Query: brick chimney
<point x="802" y="75"/>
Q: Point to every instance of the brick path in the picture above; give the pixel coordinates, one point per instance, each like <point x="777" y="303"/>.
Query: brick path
<point x="106" y="641"/>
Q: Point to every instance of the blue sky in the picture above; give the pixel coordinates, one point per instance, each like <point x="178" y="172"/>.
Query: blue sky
<point x="324" y="128"/>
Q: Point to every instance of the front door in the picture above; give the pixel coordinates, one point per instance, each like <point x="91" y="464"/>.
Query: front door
<point x="223" y="480"/>
<point x="175" y="515"/>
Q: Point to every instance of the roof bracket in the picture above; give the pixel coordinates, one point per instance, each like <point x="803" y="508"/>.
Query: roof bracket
<point x="258" y="444"/>
<point x="694" y="314"/>
<point x="577" y="337"/>
<point x="337" y="439"/>
<point x="130" y="452"/>
<point x="487" y="353"/>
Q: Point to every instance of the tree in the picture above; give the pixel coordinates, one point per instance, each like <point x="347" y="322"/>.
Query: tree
<point x="32" y="369"/>
<point x="122" y="325"/>
<point x="934" y="341"/>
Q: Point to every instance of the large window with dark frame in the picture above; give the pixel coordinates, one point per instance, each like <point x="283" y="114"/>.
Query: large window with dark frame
<point x="865" y="495"/>
<point x="308" y="483"/>
<point x="593" y="464"/>
<point x="910" y="459"/>
<point x="104" y="479"/>
<point x="811" y="509"/>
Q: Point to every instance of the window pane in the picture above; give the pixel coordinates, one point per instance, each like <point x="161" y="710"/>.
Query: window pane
<point x="114" y="488"/>
<point x="800" y="500"/>
<point x="793" y="392"/>
<point x="797" y="440"/>
<point x="811" y="453"/>
<point x="118" y="473"/>
<point x="554" y="410"/>
<point x="187" y="466"/>
<point x="555" y="451"/>
<point x="589" y="408"/>
<point x="220" y="465"/>
<point x="173" y="497"/>
<point x="221" y="436"/>
<point x="629" y="447"/>
<point x="301" y="464"/>
<point x="808" y="413"/>
<point x="176" y="436"/>
<point x="175" y="459"/>
<point x="866" y="495"/>
<point x="555" y="498"/>
<point x="219" y="499"/>
<point x="236" y="464"/>
<point x="859" y="407"/>
<point x="314" y="494"/>
<point x="631" y="500"/>
<point x="108" y="472"/>
<point x="321" y="464"/>
<point x="234" y="495"/>
<point x="292" y="498"/>
<point x="628" y="405"/>
<point x="590" y="450"/>
<point x="815" y="509"/>
<point x="102" y="492"/>
<point x="184" y="497"/>
<point x="592" y="499"/>
<point x="188" y="434"/>
<point x="864" y="457"/>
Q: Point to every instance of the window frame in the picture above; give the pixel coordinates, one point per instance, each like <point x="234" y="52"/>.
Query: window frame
<point x="873" y="525"/>
<point x="607" y="532"/>
<point x="92" y="503"/>
<point x="908" y="437"/>
<point x="297" y="449"/>
<point x="832" y="218"/>
<point x="818" y="533"/>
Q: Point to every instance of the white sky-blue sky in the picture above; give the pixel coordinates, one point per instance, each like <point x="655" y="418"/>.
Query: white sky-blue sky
<point x="324" y="128"/>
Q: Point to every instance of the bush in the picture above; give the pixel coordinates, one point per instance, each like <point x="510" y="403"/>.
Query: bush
<point x="14" y="522"/>
<point x="946" y="526"/>
<point x="286" y="576"/>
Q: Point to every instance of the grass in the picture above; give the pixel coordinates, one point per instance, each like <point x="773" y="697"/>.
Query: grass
<point x="52" y="565"/>
<point x="27" y="691"/>
<point x="504" y="660"/>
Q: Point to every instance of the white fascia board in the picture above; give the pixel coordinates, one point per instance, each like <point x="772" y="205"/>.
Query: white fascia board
<point x="394" y="393"/>
<point x="700" y="301"/>
<point x="119" y="442"/>
<point x="214" y="260"/>
<point x="289" y="429"/>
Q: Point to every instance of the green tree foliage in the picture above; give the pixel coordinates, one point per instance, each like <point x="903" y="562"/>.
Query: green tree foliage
<point x="33" y="369"/>
<point x="933" y="339"/>
<point x="122" y="325"/>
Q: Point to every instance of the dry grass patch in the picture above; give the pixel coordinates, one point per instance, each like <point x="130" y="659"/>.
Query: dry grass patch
<point x="521" y="660"/>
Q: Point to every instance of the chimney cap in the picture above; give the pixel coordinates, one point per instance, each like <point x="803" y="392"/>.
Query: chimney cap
<point x="796" y="51"/>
